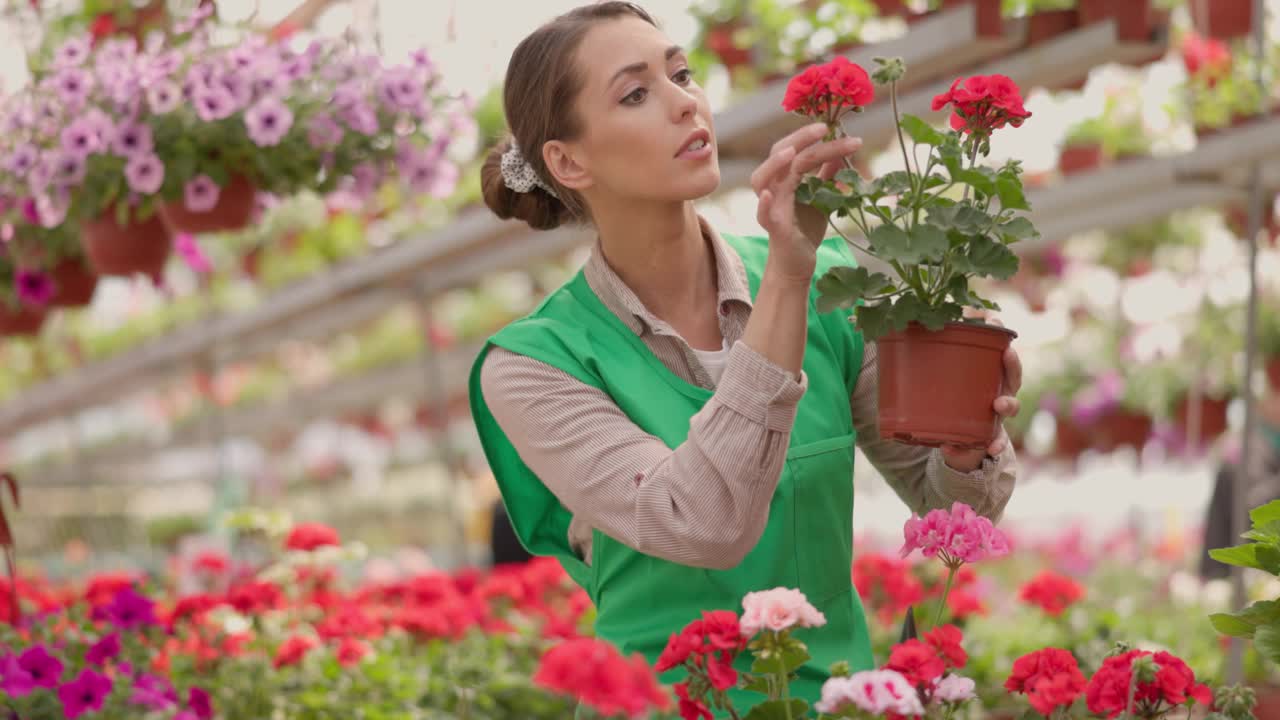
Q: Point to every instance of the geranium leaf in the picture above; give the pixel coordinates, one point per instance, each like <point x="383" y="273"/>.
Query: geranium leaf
<point x="964" y="218"/>
<point x="921" y="131"/>
<point x="1240" y="556"/>
<point x="1263" y="612"/>
<point x="778" y="710"/>
<point x="843" y="287"/>
<point x="1267" y="640"/>
<point x="821" y="195"/>
<point x="1264" y="514"/>
<point x="1009" y="190"/>
<point x="894" y="183"/>
<point x="983" y="182"/>
<point x="929" y="242"/>
<point x="873" y="320"/>
<point x="1019" y="228"/>
<point x="1228" y="624"/>
<point x="925" y="243"/>
<point x="850" y="177"/>
<point x="988" y="258"/>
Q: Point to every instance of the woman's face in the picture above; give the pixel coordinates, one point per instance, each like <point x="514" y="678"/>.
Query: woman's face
<point x="646" y="126"/>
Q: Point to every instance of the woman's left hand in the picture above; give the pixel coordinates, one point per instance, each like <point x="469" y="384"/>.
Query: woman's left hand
<point x="1006" y="406"/>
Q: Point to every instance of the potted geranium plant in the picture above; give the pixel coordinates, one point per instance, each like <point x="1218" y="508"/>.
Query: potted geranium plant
<point x="1082" y="146"/>
<point x="937" y="224"/>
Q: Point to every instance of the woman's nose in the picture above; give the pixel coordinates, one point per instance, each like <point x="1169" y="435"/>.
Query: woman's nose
<point x="684" y="104"/>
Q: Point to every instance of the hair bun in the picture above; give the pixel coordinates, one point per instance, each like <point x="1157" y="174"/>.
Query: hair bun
<point x="536" y="207"/>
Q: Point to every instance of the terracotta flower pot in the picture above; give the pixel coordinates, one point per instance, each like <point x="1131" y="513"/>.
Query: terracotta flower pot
<point x="1213" y="416"/>
<point x="1268" y="707"/>
<point x="1122" y="428"/>
<point x="1222" y="19"/>
<point x="1079" y="158"/>
<point x="1049" y="24"/>
<point x="1133" y="17"/>
<point x="233" y="210"/>
<point x="990" y="21"/>
<point x="1070" y="440"/>
<point x="138" y="247"/>
<point x="1273" y="372"/>
<point x="20" y="322"/>
<point x="890" y="8"/>
<point x="939" y="387"/>
<point x="74" y="283"/>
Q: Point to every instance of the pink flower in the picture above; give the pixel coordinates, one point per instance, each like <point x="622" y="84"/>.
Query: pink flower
<point x="959" y="536"/>
<point x="874" y="691"/>
<point x="84" y="694"/>
<point x="164" y="97"/>
<point x="133" y="139"/>
<point x="35" y="289"/>
<point x="201" y="194"/>
<point x="268" y="121"/>
<point x="73" y="52"/>
<point x="954" y="688"/>
<point x="145" y="174"/>
<point x="192" y="254"/>
<point x="214" y="104"/>
<point x="324" y="132"/>
<point x="778" y="609"/>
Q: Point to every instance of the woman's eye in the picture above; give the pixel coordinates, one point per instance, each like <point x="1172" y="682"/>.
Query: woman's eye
<point x="683" y="77"/>
<point x="635" y="96"/>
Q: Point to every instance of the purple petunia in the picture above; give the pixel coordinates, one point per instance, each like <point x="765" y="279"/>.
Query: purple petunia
<point x="52" y="207"/>
<point x="401" y="89"/>
<point x="348" y="95"/>
<point x="73" y="85"/>
<point x="16" y="681"/>
<point x="22" y="159"/>
<point x="154" y="693"/>
<point x="239" y="88"/>
<point x="133" y="139"/>
<point x="201" y="194"/>
<point x="80" y="138"/>
<point x="427" y="171"/>
<point x="45" y="669"/>
<point x="164" y="97"/>
<point x="1098" y="399"/>
<point x="199" y="702"/>
<point x="421" y="60"/>
<point x="68" y="169"/>
<point x="130" y="609"/>
<point x="193" y="21"/>
<point x="324" y="133"/>
<point x="296" y="68"/>
<point x="35" y="289"/>
<point x="213" y="103"/>
<point x="104" y="650"/>
<point x="117" y="51"/>
<point x="268" y="121"/>
<point x="84" y="694"/>
<point x="73" y="52"/>
<point x="361" y="118"/>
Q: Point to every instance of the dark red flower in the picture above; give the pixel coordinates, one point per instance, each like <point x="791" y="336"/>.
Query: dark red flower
<point x="917" y="662"/>
<point x="292" y="650"/>
<point x="720" y="670"/>
<point x="886" y="584"/>
<point x="1050" y="678"/>
<point x="1051" y="592"/>
<point x="946" y="641"/>
<point x="255" y="597"/>
<point x="679" y="647"/>
<point x="309" y="536"/>
<point x="351" y="651"/>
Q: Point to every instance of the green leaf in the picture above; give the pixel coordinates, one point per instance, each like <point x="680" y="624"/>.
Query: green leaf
<point x="958" y="289"/>
<point x="894" y="183"/>
<point x="952" y="156"/>
<point x="1264" y="514"/>
<point x="1269" y="558"/>
<point x="925" y="243"/>
<point x="1263" y="612"/>
<point x="1228" y="624"/>
<point x="983" y="182"/>
<point x="1019" y="228"/>
<point x="821" y="195"/>
<point x="759" y="684"/>
<point x="1268" y="532"/>
<point x="1267" y="641"/>
<point x="850" y="177"/>
<point x="988" y="258"/>
<point x="777" y="710"/>
<point x="843" y="287"/>
<point x="920" y="131"/>
<point x="1240" y="556"/>
<point x="909" y="309"/>
<point x="964" y="218"/>
<point x="873" y="320"/>
<point x="930" y="242"/>
<point x="1009" y="190"/>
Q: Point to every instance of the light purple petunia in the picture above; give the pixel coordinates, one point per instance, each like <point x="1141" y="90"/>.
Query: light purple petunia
<point x="296" y="68"/>
<point x="22" y="159"/>
<point x="84" y="694"/>
<point x="73" y="52"/>
<point x="238" y="86"/>
<point x="361" y="118"/>
<point x="268" y="121"/>
<point x="133" y="139"/>
<point x="117" y="51"/>
<point x="68" y="169"/>
<point x="52" y="207"/>
<point x="268" y="85"/>
<point x="401" y="89"/>
<point x="73" y="86"/>
<point x="201" y="194"/>
<point x="213" y="103"/>
<point x="81" y="138"/>
<point x="422" y="60"/>
<point x="324" y="133"/>
<point x="193" y="21"/>
<point x="348" y="94"/>
<point x="35" y="289"/>
<point x="145" y="174"/>
<point x="164" y="97"/>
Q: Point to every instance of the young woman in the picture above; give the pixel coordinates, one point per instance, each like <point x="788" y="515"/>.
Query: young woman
<point x="676" y="424"/>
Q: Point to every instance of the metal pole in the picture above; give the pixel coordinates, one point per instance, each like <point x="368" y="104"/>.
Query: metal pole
<point x="1242" y="478"/>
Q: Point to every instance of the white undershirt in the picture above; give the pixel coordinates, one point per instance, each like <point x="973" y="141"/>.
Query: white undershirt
<point x="713" y="361"/>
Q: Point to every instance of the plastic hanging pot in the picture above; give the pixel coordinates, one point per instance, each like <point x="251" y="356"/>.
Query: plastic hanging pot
<point x="1079" y="158"/>
<point x="1122" y="428"/>
<point x="1273" y="372"/>
<point x="1132" y="17"/>
<point x="74" y="283"/>
<point x="138" y="246"/>
<point x="1222" y="19"/>
<point x="1213" y="417"/>
<point x="1070" y="440"/>
<point x="21" y="321"/>
<point x="939" y="387"/>
<point x="1046" y="25"/>
<point x="232" y="212"/>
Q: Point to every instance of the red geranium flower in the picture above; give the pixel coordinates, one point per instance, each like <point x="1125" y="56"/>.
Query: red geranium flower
<point x="917" y="662"/>
<point x="211" y="562"/>
<point x="963" y="604"/>
<point x="1206" y="57"/>
<point x="351" y="651"/>
<point x="1108" y="689"/>
<point x="309" y="536"/>
<point x="1051" y="592"/>
<point x="595" y="674"/>
<point x="886" y="584"/>
<point x="691" y="708"/>
<point x="1050" y="678"/>
<point x="826" y="91"/>
<point x="946" y="641"/>
<point x="292" y="651"/>
<point x="983" y="103"/>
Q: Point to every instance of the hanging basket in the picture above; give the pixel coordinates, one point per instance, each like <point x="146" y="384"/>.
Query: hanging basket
<point x="939" y="387"/>
<point x="1070" y="440"/>
<point x="1223" y="19"/>
<point x="1080" y="158"/>
<point x="140" y="246"/>
<point x="1213" y="416"/>
<point x="1273" y="372"/>
<point x="1121" y="428"/>
<point x="23" y="321"/>
<point x="720" y="40"/>
<point x="1046" y="25"/>
<point x="74" y="283"/>
<point x="233" y="210"/>
<point x="1132" y="17"/>
<point x="989" y="21"/>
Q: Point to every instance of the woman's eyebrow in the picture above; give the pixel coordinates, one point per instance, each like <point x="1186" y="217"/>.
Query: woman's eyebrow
<point x="643" y="66"/>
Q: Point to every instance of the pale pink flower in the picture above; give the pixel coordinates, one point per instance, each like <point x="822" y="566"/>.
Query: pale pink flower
<point x="777" y="610"/>
<point x="201" y="194"/>
<point x="959" y="536"/>
<point x="953" y="688"/>
<point x="874" y="691"/>
<point x="192" y="254"/>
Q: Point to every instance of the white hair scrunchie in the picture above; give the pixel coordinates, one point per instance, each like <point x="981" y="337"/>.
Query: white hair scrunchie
<point x="519" y="175"/>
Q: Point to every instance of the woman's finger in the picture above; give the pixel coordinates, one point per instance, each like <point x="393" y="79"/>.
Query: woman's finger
<point x="764" y="205"/>
<point x="1012" y="371"/>
<point x="1007" y="406"/>
<point x="775" y="164"/>
<point x="801" y="138"/>
<point x="818" y="154"/>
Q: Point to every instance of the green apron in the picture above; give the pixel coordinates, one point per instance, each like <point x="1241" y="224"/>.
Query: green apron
<point x="808" y="541"/>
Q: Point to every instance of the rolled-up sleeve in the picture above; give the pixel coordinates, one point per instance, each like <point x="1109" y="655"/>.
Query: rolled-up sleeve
<point x="920" y="475"/>
<point x="704" y="503"/>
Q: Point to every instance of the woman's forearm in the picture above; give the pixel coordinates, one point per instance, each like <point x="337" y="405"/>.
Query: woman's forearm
<point x="778" y="325"/>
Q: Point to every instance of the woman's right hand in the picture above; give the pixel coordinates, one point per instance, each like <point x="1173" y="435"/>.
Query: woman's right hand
<point x="796" y="231"/>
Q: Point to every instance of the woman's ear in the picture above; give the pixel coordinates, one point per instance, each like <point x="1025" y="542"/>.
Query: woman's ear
<point x="565" y="164"/>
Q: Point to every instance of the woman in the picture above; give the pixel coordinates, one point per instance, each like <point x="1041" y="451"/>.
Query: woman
<point x="676" y="424"/>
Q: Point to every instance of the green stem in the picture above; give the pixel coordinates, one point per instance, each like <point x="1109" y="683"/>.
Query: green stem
<point x="786" y="694"/>
<point x="906" y="159"/>
<point x="973" y="160"/>
<point x="1133" y="690"/>
<point x="847" y="239"/>
<point x="942" y="604"/>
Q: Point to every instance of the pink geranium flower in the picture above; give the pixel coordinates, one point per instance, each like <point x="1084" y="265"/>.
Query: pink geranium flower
<point x="778" y="609"/>
<point x="874" y="691"/>
<point x="957" y="537"/>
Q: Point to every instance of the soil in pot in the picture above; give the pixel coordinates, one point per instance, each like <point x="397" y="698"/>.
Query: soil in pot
<point x="1049" y="24"/>
<point x="1213" y="416"/>
<point x="1079" y="158"/>
<point x="1122" y="428"/>
<point x="1222" y="19"/>
<point x="939" y="387"/>
<point x="74" y="284"/>
<point x="140" y="246"/>
<point x="17" y="322"/>
<point x="232" y="211"/>
<point x="1133" y="17"/>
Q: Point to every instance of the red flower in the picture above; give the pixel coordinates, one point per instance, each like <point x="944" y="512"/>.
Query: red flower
<point x="828" y="90"/>
<point x="351" y="651"/>
<point x="1208" y="57"/>
<point x="983" y="103"/>
<point x="102" y="26"/>
<point x="292" y="651"/>
<point x="946" y="642"/>
<point x="1050" y="678"/>
<point x="595" y="674"/>
<point x="679" y="647"/>
<point x="887" y="584"/>
<point x="1108" y="689"/>
<point x="963" y="604"/>
<point x="103" y="587"/>
<point x="349" y="620"/>
<point x="690" y="708"/>
<point x="723" y="631"/>
<point x="1052" y="592"/>
<point x="715" y="632"/>
<point x="309" y="536"/>
<point x="917" y="662"/>
<point x="211" y="562"/>
<point x="255" y="597"/>
<point x="720" y="671"/>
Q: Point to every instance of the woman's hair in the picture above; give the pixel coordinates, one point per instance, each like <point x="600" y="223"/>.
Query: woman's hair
<point x="538" y="98"/>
